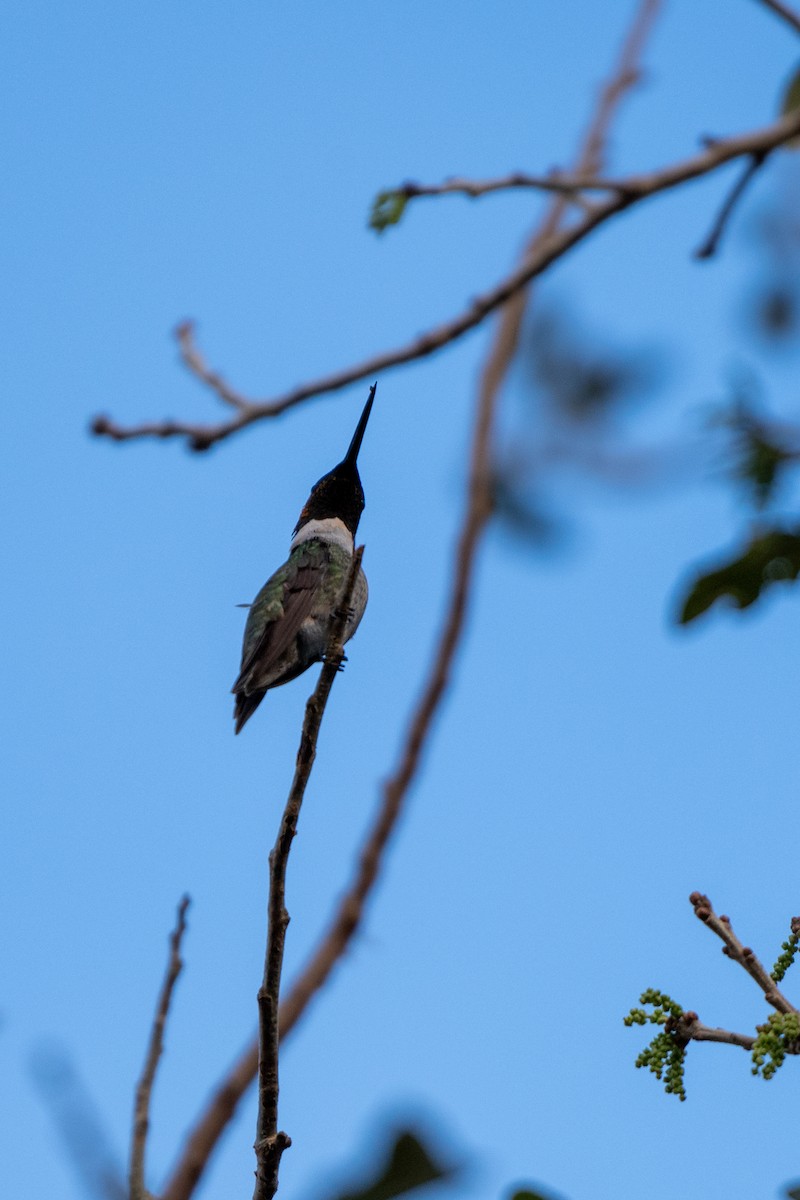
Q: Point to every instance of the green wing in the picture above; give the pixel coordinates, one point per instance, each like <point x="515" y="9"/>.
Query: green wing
<point x="278" y="612"/>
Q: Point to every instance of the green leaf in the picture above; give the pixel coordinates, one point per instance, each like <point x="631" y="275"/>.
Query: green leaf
<point x="790" y="102"/>
<point x="387" y="209"/>
<point x="410" y="1164"/>
<point x="761" y="459"/>
<point x="770" y="558"/>
<point x="526" y="1194"/>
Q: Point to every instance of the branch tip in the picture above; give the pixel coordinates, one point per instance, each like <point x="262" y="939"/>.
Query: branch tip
<point x="141" y="1113"/>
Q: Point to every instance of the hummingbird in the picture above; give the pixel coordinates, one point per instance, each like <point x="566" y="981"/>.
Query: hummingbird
<point x="289" y="621"/>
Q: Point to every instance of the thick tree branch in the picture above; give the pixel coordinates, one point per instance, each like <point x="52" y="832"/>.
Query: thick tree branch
<point x="741" y="954"/>
<point x="141" y="1114"/>
<point x="350" y="910"/>
<point x="270" y="1141"/>
<point x="628" y="191"/>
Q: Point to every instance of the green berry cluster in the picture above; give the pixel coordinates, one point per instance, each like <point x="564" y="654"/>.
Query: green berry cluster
<point x="666" y="1054"/>
<point x="789" y="949"/>
<point x="779" y="1036"/>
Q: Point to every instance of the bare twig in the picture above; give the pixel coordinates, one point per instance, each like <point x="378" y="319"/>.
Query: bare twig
<point x="693" y="1030"/>
<point x="628" y="191"/>
<point x="709" y="247"/>
<point x="555" y="181"/>
<point x="687" y="1027"/>
<point x="141" y="1114"/>
<point x="193" y="361"/>
<point x="741" y="954"/>
<point x="784" y="12"/>
<point x="270" y="1141"/>
<point x="622" y="80"/>
<point x="350" y="910"/>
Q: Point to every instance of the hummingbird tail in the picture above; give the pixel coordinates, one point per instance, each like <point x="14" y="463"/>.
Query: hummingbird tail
<point x="245" y="707"/>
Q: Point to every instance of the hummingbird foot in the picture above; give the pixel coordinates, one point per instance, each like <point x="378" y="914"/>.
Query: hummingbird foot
<point x="339" y="661"/>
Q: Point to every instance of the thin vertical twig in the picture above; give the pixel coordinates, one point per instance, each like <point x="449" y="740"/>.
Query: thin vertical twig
<point x="270" y="1141"/>
<point x="155" y="1048"/>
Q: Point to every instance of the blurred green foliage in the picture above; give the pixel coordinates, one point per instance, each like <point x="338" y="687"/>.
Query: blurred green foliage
<point x="791" y="101"/>
<point x="761" y="452"/>
<point x="410" y="1163"/>
<point x="770" y="557"/>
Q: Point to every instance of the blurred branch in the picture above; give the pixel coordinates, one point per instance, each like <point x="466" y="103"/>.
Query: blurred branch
<point x="270" y="1141"/>
<point x="554" y="181"/>
<point x="79" y="1123"/>
<point x="478" y="507"/>
<point x="709" y="247"/>
<point x="141" y="1115"/>
<point x="628" y="192"/>
<point x="194" y="362"/>
<point x="741" y="954"/>
<point x="783" y="11"/>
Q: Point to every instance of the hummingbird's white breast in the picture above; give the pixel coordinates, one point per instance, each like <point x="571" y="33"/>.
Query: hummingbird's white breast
<point x="329" y="529"/>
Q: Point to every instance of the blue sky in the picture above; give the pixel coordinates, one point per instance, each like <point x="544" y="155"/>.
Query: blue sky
<point x="165" y="161"/>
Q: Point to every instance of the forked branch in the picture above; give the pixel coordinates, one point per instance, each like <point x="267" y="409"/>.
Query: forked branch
<point x="776" y="1038"/>
<point x="627" y="192"/>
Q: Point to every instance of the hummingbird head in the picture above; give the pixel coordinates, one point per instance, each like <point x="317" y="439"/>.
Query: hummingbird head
<point x="339" y="494"/>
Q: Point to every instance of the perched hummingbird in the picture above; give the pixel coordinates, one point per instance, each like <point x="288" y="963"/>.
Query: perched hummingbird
<point x="289" y="620"/>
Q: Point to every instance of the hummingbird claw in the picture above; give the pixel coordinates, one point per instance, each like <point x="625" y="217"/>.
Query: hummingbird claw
<point x="339" y="664"/>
